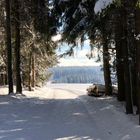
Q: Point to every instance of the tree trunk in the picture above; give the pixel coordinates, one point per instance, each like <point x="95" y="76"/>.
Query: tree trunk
<point x="132" y="45"/>
<point x="130" y="54"/>
<point x="106" y="67"/>
<point x="119" y="56"/>
<point x="128" y="82"/>
<point x="9" y="46"/>
<point x="120" y="73"/>
<point x="30" y="72"/>
<point x="131" y="50"/>
<point x="138" y="77"/>
<point x="33" y="70"/>
<point x="138" y="60"/>
<point x="17" y="47"/>
<point x="127" y="75"/>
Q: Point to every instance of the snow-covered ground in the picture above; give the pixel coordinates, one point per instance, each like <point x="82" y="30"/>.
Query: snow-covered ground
<point x="64" y="112"/>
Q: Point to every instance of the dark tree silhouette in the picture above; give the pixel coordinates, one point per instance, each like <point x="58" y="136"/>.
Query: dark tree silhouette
<point x="17" y="46"/>
<point x="9" y="46"/>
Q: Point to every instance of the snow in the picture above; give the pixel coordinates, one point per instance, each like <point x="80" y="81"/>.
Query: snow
<point x="137" y="37"/>
<point x="101" y="4"/>
<point x="56" y="38"/>
<point x="64" y="112"/>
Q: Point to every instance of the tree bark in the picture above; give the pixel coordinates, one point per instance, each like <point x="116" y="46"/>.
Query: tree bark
<point x="138" y="78"/>
<point x="130" y="9"/>
<point x="33" y="70"/>
<point x="106" y="67"/>
<point x="128" y="58"/>
<point x="119" y="56"/>
<point x="17" y="47"/>
<point x="9" y="46"/>
<point x="128" y="82"/>
<point x="30" y="72"/>
<point x="138" y="60"/>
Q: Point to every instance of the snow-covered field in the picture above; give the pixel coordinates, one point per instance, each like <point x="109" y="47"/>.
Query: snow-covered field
<point x="64" y="112"/>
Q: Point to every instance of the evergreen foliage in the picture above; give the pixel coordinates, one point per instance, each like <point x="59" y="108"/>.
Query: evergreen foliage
<point x="113" y="25"/>
<point x="31" y="46"/>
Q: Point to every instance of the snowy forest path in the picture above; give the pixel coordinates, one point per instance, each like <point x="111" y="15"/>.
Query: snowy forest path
<point x="63" y="112"/>
<point x="104" y="116"/>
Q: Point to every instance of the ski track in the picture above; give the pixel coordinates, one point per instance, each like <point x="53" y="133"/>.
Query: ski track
<point x="65" y="112"/>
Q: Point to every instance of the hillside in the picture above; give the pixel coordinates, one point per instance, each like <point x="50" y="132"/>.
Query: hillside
<point x="77" y="74"/>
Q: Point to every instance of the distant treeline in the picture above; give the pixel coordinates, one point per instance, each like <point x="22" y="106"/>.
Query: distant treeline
<point x="77" y="75"/>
